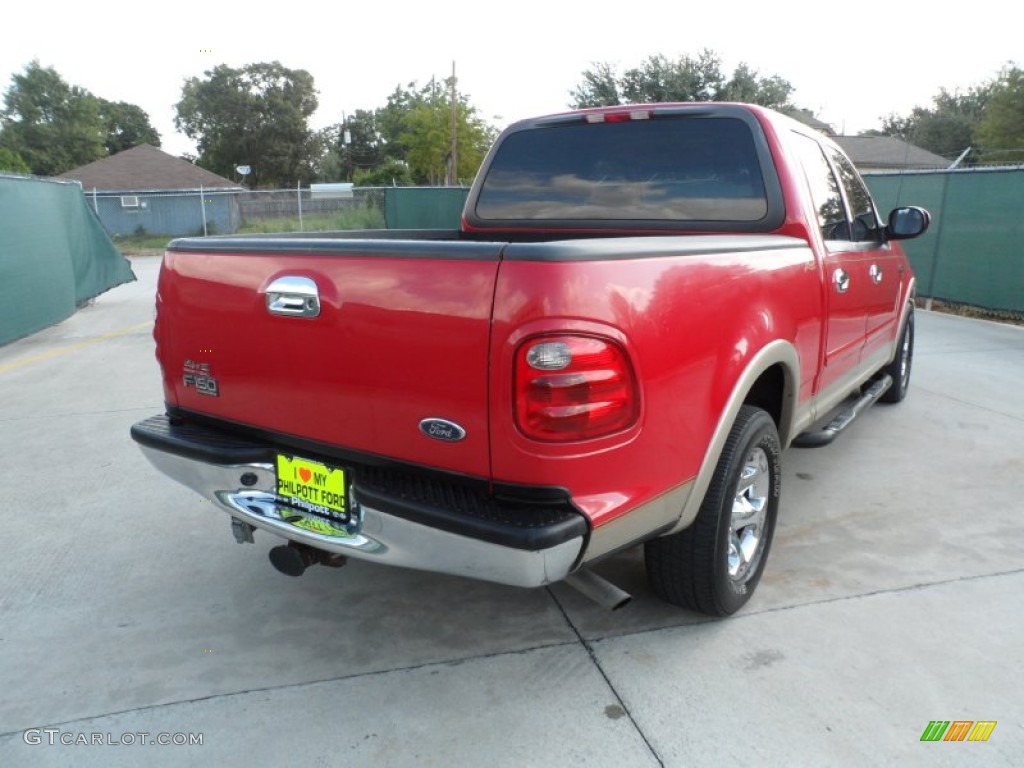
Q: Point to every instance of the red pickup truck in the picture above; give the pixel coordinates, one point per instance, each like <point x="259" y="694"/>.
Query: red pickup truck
<point x="643" y="307"/>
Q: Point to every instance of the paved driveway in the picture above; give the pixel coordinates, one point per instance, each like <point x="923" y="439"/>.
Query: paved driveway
<point x="894" y="596"/>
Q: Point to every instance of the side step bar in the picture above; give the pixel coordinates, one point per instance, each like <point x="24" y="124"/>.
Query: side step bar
<point x="845" y="417"/>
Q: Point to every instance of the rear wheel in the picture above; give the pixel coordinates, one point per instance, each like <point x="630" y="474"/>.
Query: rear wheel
<point x="899" y="368"/>
<point x="714" y="565"/>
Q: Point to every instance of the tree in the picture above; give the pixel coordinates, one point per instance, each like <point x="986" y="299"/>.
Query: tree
<point x="126" y="126"/>
<point x="946" y="128"/>
<point x="418" y="126"/>
<point x="257" y="116"/>
<point x="53" y="126"/>
<point x="352" y="146"/>
<point x="12" y="162"/>
<point x="600" y="88"/>
<point x="660" y="79"/>
<point x="409" y="138"/>
<point x="390" y="172"/>
<point x="746" y="86"/>
<point x="1002" y="127"/>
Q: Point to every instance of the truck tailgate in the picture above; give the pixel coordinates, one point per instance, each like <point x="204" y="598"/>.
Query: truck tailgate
<point x="400" y="336"/>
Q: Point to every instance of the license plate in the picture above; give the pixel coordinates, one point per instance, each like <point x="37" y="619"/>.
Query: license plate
<point x="315" y="496"/>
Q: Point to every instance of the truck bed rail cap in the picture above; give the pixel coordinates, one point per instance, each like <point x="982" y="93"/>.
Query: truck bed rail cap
<point x="647" y="247"/>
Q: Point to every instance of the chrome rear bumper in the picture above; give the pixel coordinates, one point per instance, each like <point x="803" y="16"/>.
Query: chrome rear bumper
<point x="375" y="534"/>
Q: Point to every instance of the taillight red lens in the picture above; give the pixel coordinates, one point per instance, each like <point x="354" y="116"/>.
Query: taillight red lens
<point x="571" y="387"/>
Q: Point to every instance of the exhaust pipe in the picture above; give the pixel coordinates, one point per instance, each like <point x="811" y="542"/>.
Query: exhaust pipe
<point x="598" y="589"/>
<point x="292" y="559"/>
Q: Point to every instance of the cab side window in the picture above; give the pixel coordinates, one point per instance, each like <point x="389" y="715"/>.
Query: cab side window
<point x="865" y="221"/>
<point x="824" y="187"/>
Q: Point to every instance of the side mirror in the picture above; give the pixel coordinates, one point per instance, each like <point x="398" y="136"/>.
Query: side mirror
<point x="908" y="222"/>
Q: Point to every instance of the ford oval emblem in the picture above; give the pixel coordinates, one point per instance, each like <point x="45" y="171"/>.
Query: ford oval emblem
<point x="442" y="429"/>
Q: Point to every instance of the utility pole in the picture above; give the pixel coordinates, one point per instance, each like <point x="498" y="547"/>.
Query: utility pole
<point x="453" y="168"/>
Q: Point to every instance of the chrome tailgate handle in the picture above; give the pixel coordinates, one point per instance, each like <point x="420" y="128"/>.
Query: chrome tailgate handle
<point x="293" y="296"/>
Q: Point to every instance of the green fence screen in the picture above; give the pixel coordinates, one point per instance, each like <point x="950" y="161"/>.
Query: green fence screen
<point x="424" y="207"/>
<point x="54" y="255"/>
<point x="974" y="252"/>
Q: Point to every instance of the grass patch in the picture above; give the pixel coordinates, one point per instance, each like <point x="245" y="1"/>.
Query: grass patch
<point x="355" y="218"/>
<point x="141" y="245"/>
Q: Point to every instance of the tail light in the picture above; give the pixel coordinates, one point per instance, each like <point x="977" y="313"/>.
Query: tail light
<point x="570" y="387"/>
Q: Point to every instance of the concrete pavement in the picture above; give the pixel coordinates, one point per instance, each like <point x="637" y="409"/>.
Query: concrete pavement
<point x="894" y="596"/>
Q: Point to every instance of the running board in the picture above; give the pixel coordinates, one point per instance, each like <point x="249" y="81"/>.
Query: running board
<point x="845" y="417"/>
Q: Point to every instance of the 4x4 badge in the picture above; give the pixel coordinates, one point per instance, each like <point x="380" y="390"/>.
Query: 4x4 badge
<point x="197" y="375"/>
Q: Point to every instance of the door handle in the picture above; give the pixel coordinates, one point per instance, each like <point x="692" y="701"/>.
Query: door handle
<point x="841" y="280"/>
<point x="293" y="296"/>
<point x="876" y="274"/>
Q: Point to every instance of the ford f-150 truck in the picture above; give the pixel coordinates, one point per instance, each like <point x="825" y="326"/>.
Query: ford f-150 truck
<point x="642" y="308"/>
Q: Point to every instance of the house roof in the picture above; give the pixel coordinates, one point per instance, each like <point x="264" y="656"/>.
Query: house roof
<point x="807" y="117"/>
<point x="877" y="152"/>
<point x="144" y="167"/>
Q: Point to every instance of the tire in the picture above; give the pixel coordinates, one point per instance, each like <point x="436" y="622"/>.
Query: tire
<point x="715" y="564"/>
<point x="900" y="366"/>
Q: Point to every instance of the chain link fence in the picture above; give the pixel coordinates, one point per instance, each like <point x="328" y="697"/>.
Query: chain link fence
<point x="971" y="255"/>
<point x="339" y="207"/>
<point x="230" y="211"/>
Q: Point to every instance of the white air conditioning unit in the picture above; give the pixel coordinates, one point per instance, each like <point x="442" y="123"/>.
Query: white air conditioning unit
<point x="129" y="201"/>
<point x="328" y="191"/>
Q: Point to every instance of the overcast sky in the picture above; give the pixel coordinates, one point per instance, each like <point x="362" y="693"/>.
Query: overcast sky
<point x="851" y="63"/>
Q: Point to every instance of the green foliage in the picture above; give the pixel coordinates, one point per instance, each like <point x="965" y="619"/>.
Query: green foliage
<point x="358" y="217"/>
<point x="390" y="173"/>
<point x="408" y="140"/>
<point x="988" y="117"/>
<point x="660" y="79"/>
<point x="53" y="126"/>
<point x="1002" y="127"/>
<point x="126" y="126"/>
<point x="352" y="148"/>
<point x="600" y="88"/>
<point x="946" y="128"/>
<point x="257" y="116"/>
<point x="11" y="161"/>
<point x="140" y="244"/>
<point x="747" y="86"/>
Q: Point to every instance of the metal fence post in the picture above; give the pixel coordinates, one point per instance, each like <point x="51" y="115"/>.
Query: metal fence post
<point x="202" y="205"/>
<point x="938" y="240"/>
<point x="298" y="195"/>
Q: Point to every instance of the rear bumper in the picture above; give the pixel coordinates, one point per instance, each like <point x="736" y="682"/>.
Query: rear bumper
<point x="524" y="546"/>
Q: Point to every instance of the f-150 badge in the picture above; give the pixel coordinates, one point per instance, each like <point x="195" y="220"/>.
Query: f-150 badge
<point x="197" y="375"/>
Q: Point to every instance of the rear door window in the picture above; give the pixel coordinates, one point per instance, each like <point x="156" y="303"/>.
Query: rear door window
<point x="865" y="222"/>
<point x="824" y="188"/>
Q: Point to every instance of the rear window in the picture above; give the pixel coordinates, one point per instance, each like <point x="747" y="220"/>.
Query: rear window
<point x="663" y="169"/>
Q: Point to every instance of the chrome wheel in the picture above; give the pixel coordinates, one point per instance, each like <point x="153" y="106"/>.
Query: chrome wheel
<point x="905" y="359"/>
<point x="715" y="564"/>
<point x="749" y="509"/>
<point x="899" y="368"/>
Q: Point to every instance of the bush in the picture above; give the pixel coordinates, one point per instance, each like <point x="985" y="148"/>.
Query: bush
<point x="11" y="161"/>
